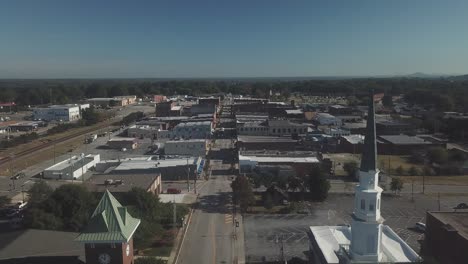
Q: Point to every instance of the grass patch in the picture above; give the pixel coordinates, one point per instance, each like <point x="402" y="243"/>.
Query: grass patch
<point x="437" y="180"/>
<point x="163" y="251"/>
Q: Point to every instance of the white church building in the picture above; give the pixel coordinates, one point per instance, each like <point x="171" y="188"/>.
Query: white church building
<point x="367" y="240"/>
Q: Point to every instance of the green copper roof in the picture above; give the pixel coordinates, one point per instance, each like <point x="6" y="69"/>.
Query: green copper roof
<point x="110" y="222"/>
<point x="369" y="152"/>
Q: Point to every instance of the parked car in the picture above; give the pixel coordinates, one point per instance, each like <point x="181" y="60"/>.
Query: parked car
<point x="20" y="204"/>
<point x="420" y="226"/>
<point x="173" y="191"/>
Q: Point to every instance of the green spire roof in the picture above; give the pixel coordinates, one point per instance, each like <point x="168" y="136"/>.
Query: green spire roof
<point x="110" y="222"/>
<point x="369" y="152"/>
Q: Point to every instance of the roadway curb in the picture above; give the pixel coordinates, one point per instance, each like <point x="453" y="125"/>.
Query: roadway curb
<point x="179" y="246"/>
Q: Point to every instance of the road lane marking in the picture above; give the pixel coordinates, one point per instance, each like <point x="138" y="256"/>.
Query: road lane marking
<point x="213" y="241"/>
<point x="228" y="218"/>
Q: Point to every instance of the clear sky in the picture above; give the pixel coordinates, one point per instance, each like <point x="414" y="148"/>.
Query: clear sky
<point x="231" y="38"/>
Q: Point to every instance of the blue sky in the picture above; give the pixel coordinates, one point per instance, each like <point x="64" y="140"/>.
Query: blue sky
<point x="236" y="38"/>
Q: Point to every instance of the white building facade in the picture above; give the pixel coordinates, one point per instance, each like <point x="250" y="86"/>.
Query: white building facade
<point x="72" y="168"/>
<point x="60" y="113"/>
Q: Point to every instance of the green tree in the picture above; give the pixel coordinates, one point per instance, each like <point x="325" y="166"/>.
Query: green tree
<point x="396" y="185"/>
<point x="438" y="155"/>
<point x="399" y="170"/>
<point x="38" y="218"/>
<point x="387" y="100"/>
<point x="39" y="192"/>
<point x="91" y="117"/>
<point x="4" y="200"/>
<point x="73" y="204"/>
<point x="413" y="171"/>
<point x="268" y="201"/>
<point x="318" y="184"/>
<point x="351" y="168"/>
<point x="242" y="193"/>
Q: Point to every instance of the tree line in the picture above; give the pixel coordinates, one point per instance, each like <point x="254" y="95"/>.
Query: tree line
<point x="444" y="93"/>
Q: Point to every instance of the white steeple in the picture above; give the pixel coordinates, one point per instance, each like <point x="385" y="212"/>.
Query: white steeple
<point x="366" y="226"/>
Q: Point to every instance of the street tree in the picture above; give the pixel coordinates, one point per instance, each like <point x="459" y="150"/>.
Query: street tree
<point x="351" y="168"/>
<point x="4" y="200"/>
<point x="318" y="184"/>
<point x="396" y="185"/>
<point x="242" y="192"/>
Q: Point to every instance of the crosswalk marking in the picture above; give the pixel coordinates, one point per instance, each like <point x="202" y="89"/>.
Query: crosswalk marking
<point x="228" y="219"/>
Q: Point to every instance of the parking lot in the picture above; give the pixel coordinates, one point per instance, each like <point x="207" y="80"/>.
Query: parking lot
<point x="266" y="234"/>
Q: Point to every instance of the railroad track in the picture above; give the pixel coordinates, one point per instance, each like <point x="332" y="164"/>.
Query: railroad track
<point x="48" y="144"/>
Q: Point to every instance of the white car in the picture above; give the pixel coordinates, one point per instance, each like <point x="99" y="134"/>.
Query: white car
<point x="21" y="204"/>
<point x="420" y="226"/>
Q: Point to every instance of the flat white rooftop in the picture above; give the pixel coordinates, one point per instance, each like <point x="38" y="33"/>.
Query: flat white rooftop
<point x="138" y="164"/>
<point x="279" y="159"/>
<point x="330" y="238"/>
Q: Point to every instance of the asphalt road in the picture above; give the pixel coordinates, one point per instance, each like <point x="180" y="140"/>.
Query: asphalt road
<point x="209" y="238"/>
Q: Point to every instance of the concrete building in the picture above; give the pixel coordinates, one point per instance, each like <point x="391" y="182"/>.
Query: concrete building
<point x="388" y="127"/>
<point x="327" y="119"/>
<point x="123" y="142"/>
<point x="167" y="108"/>
<point x="367" y="240"/>
<point x="200" y="109"/>
<point x="209" y="101"/>
<point x="123" y="183"/>
<point x="192" y="147"/>
<point x="193" y="130"/>
<point x="302" y="164"/>
<point x="446" y="236"/>
<point x="159" y="98"/>
<point x="72" y="168"/>
<point x="65" y="113"/>
<point x="252" y="128"/>
<point x="170" y="169"/>
<point x="285" y="127"/>
<point x="113" y="101"/>
<point x="268" y="143"/>
<point x="143" y="131"/>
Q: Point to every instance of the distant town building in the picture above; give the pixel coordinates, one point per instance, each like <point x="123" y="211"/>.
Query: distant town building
<point x="65" y="113"/>
<point x="167" y="108"/>
<point x="389" y="127"/>
<point x="159" y="98"/>
<point x="266" y="142"/>
<point x="327" y="119"/>
<point x="191" y="147"/>
<point x="113" y="101"/>
<point x="209" y="101"/>
<point x="143" y="131"/>
<point x="193" y="130"/>
<point x="123" y="142"/>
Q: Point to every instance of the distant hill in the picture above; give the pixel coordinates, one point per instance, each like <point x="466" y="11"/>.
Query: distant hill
<point x="425" y="75"/>
<point x="459" y="77"/>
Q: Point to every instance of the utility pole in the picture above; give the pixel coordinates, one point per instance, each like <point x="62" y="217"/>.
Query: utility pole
<point x="438" y="199"/>
<point x="54" y="153"/>
<point x="423" y="182"/>
<point x="188" y="176"/>
<point x="412" y="187"/>
<point x="174" y="218"/>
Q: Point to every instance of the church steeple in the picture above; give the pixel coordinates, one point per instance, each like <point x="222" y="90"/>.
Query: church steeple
<point x="366" y="226"/>
<point x="369" y="153"/>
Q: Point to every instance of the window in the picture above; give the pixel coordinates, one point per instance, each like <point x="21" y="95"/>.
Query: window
<point x="371" y="207"/>
<point x="378" y="204"/>
<point x="363" y="204"/>
<point x="289" y="130"/>
<point x="274" y="130"/>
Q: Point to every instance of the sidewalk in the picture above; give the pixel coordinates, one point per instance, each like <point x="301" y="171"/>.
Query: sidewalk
<point x="239" y="240"/>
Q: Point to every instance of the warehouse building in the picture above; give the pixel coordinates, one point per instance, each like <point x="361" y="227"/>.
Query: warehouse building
<point x="191" y="147"/>
<point x="65" y="113"/>
<point x="122" y="142"/>
<point x="72" y="168"/>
